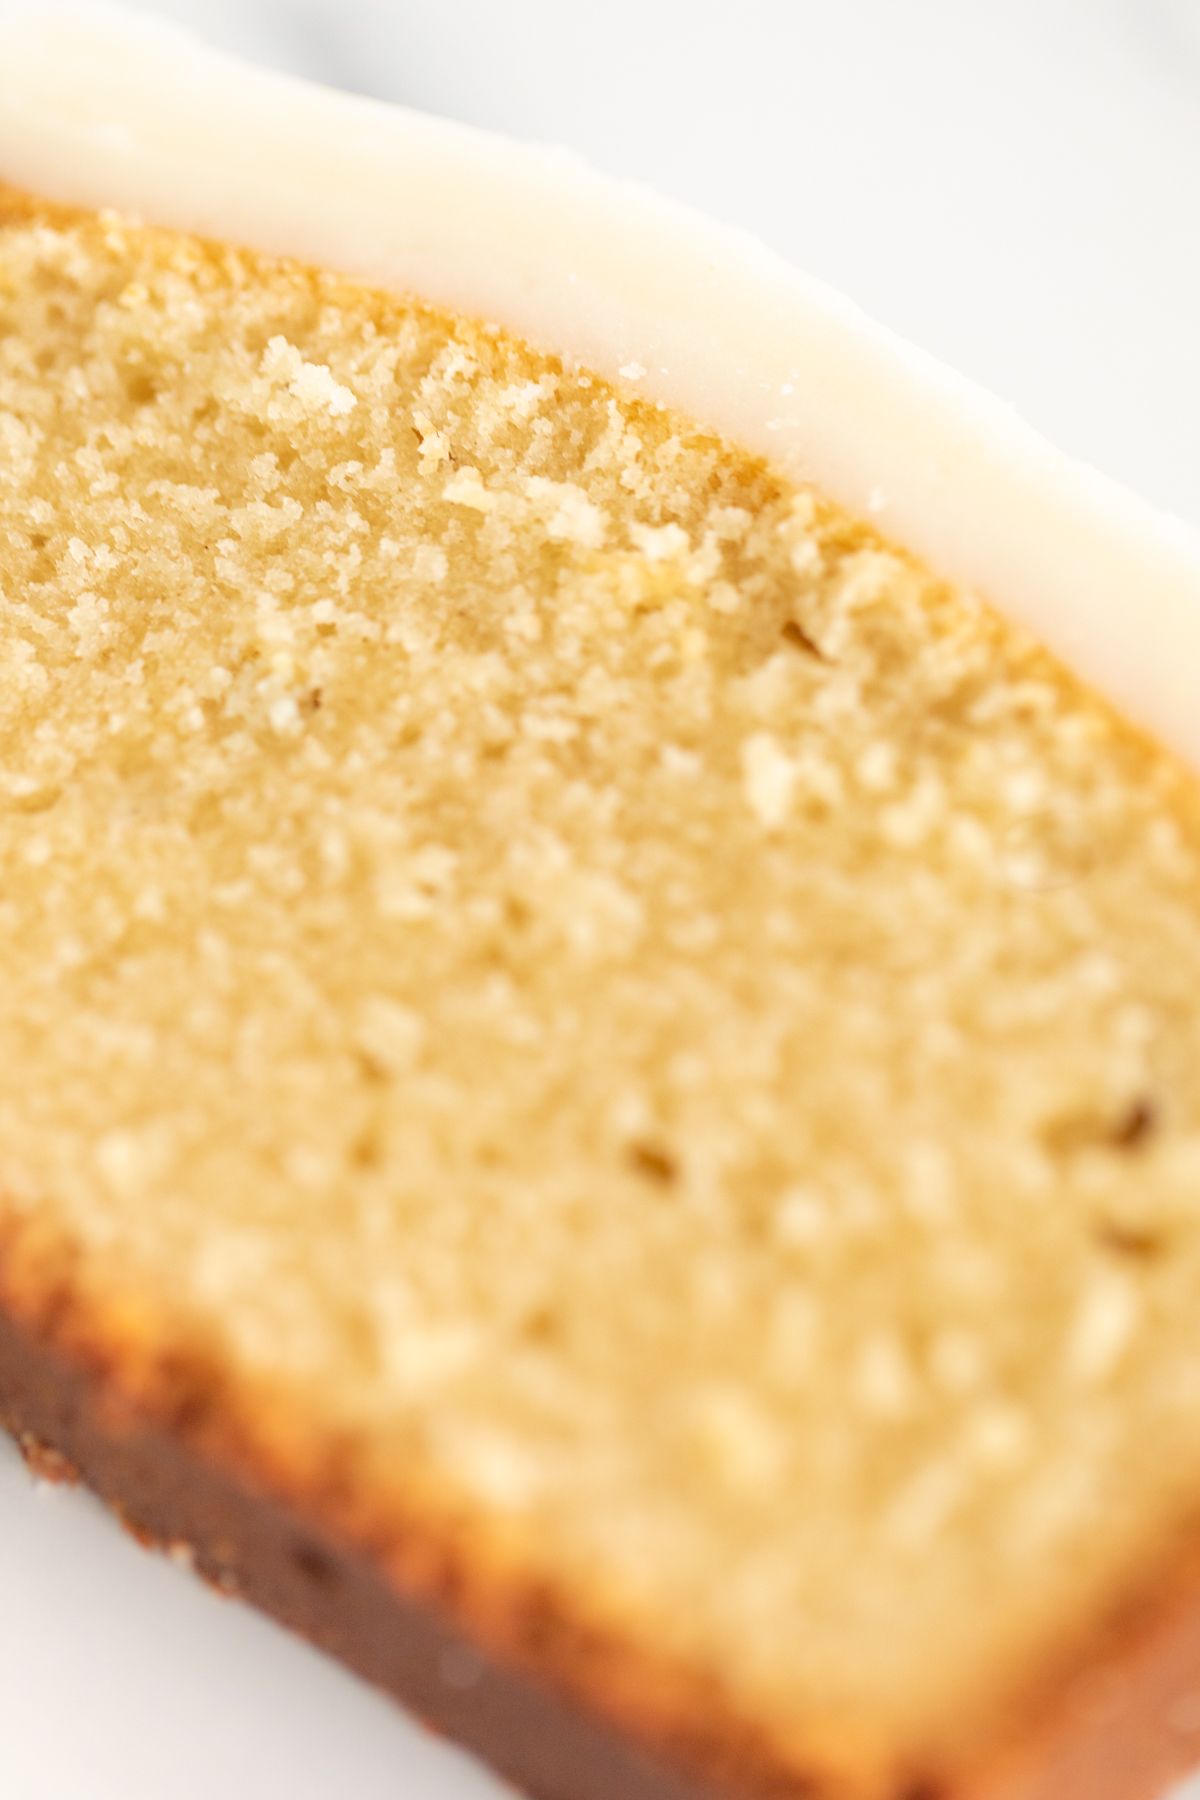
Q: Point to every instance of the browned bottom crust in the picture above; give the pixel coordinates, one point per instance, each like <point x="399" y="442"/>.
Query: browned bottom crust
<point x="1123" y="1730"/>
<point x="252" y="1546"/>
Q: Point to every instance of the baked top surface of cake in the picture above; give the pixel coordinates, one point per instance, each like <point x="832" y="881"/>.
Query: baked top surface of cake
<point x="589" y="985"/>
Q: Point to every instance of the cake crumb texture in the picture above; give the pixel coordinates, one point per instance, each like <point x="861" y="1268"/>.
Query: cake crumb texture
<point x="572" y="957"/>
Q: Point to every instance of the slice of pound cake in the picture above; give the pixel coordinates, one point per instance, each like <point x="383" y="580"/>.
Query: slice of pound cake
<point x="600" y="902"/>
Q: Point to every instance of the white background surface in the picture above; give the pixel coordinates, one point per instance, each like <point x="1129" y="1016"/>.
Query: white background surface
<point x="1013" y="183"/>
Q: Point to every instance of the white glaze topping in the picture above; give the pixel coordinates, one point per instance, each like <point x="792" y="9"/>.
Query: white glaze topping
<point x="101" y="109"/>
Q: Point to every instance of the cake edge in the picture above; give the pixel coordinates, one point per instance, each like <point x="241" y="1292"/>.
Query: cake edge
<point x="100" y="108"/>
<point x="57" y="1402"/>
<point x="252" y="1547"/>
<point x="536" y="1693"/>
<point x="141" y="1413"/>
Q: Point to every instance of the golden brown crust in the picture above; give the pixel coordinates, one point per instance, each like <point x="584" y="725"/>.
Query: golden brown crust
<point x="242" y="1543"/>
<point x="148" y="1425"/>
<point x="1124" y="1722"/>
<point x="550" y="1703"/>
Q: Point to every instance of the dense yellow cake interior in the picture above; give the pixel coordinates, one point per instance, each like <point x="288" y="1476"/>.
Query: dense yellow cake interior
<point x="572" y="955"/>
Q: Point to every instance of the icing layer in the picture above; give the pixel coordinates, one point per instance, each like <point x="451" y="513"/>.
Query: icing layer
<point x="100" y="109"/>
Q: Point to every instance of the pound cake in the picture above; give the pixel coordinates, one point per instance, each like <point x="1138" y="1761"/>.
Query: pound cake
<point x="600" y="899"/>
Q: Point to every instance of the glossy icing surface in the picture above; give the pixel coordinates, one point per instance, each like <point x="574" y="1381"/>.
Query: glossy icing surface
<point x="99" y="109"/>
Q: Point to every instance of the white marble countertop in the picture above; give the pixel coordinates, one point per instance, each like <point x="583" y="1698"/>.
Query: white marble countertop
<point x="1014" y="186"/>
